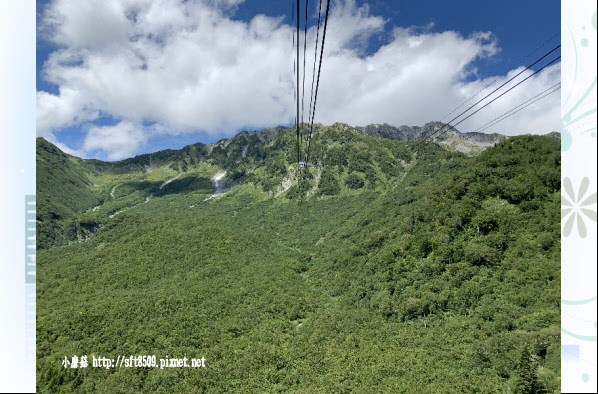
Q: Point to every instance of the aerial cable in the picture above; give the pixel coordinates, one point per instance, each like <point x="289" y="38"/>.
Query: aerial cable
<point x="294" y="58"/>
<point x="304" y="49"/>
<point x="498" y="77"/>
<point x="313" y="75"/>
<point x="297" y="74"/>
<point x="492" y="92"/>
<point x="293" y="51"/>
<point x="517" y="108"/>
<point x="441" y="130"/>
<point x="502" y="94"/>
<point x="293" y="22"/>
<point x="318" y="81"/>
<point x="522" y="108"/>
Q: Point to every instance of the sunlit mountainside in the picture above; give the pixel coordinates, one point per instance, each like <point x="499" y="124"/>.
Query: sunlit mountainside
<point x="390" y="266"/>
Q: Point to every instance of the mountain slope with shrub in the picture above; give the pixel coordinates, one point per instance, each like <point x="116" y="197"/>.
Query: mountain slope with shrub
<point x="382" y="270"/>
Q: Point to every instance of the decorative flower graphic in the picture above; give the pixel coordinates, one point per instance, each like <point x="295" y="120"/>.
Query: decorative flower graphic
<point x="575" y="207"/>
<point x="573" y="112"/>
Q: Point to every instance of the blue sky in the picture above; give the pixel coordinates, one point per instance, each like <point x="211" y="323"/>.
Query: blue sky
<point x="516" y="25"/>
<point x="120" y="78"/>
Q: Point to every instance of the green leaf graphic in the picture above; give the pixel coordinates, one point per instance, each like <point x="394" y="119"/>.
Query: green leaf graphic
<point x="565" y="212"/>
<point x="581" y="227"/>
<point x="589" y="201"/>
<point x="566" y="202"/>
<point x="583" y="188"/>
<point x="590" y="214"/>
<point x="568" y="226"/>
<point x="569" y="188"/>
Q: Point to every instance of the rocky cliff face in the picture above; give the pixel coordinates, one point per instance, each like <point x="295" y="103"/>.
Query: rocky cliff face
<point x="412" y="133"/>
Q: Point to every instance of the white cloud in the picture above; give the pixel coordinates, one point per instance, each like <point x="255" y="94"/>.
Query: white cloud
<point x="121" y="140"/>
<point x="186" y="66"/>
<point x="87" y="24"/>
<point x="56" y="112"/>
<point x="541" y="117"/>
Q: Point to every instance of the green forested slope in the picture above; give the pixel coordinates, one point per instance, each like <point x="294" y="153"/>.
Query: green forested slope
<point x="63" y="189"/>
<point x="386" y="271"/>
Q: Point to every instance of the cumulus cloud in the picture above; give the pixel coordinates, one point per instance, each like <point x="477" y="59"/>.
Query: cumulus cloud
<point x="186" y="66"/>
<point x="120" y="140"/>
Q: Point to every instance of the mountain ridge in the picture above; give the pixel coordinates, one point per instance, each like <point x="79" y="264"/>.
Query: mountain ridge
<point x="384" y="130"/>
<point x="412" y="133"/>
<point x="468" y="143"/>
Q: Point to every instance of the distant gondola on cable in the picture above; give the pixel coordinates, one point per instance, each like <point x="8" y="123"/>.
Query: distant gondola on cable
<point x="303" y="164"/>
<point x="299" y="91"/>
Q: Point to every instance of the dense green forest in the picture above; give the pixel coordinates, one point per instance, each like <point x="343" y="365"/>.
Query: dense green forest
<point x="385" y="268"/>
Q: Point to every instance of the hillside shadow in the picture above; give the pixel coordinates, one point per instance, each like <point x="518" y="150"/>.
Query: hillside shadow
<point x="187" y="184"/>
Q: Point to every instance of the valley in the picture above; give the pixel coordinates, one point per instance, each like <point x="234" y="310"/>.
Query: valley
<point x="381" y="269"/>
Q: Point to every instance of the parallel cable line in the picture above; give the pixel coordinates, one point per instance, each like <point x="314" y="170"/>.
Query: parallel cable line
<point x="517" y="108"/>
<point x="502" y="94"/>
<point x="313" y="75"/>
<point x="294" y="60"/>
<point x="441" y="130"/>
<point x="318" y="81"/>
<point x="297" y="119"/>
<point x="492" y="92"/>
<point x="304" y="50"/>
<point x="293" y="51"/>
<point x="497" y="78"/>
